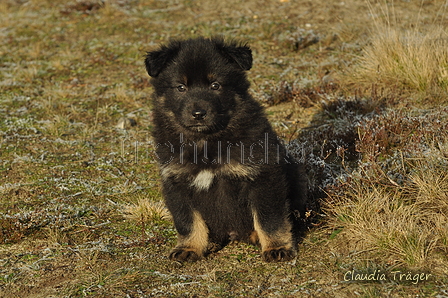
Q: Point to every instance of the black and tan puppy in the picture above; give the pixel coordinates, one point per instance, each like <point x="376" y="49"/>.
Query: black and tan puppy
<point x="226" y="175"/>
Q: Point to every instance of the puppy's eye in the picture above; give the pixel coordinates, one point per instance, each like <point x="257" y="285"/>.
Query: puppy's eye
<point x="181" y="88"/>
<point x="215" y="86"/>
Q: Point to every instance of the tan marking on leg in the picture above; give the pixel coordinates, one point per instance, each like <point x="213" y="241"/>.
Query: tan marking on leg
<point x="193" y="246"/>
<point x="277" y="246"/>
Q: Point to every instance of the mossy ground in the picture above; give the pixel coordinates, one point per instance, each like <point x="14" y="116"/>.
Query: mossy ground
<point x="78" y="181"/>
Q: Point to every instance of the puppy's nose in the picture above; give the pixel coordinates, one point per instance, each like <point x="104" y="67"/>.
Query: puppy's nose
<point x="199" y="114"/>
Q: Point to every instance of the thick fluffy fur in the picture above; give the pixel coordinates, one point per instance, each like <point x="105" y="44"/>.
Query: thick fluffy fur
<point x="226" y="175"/>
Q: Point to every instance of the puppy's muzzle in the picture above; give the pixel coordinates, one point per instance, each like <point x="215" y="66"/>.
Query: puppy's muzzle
<point x="199" y="114"/>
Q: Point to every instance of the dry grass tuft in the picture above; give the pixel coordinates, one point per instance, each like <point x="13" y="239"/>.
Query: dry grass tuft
<point x="412" y="58"/>
<point x="146" y="211"/>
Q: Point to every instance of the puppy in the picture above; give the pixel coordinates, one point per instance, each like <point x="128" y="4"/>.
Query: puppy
<point x="225" y="174"/>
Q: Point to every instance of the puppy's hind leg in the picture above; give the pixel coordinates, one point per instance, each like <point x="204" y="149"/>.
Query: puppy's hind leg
<point x="192" y="240"/>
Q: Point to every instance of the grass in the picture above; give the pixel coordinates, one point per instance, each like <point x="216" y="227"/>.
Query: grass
<point x="146" y="211"/>
<point x="402" y="223"/>
<point x="410" y="59"/>
<point x="365" y="107"/>
<point x="413" y="58"/>
<point x="396" y="199"/>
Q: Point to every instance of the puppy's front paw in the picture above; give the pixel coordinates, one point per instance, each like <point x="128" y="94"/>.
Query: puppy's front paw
<point x="278" y="254"/>
<point x="184" y="255"/>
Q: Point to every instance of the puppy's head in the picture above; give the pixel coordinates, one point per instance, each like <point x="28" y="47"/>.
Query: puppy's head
<point x="199" y="81"/>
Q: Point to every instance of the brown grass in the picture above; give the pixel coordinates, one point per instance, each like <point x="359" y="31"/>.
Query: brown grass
<point x="146" y="211"/>
<point x="413" y="58"/>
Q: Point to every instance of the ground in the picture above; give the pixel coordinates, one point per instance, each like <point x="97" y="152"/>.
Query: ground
<point x="80" y="203"/>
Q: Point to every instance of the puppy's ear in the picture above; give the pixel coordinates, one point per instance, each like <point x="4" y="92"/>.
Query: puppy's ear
<point x="242" y="55"/>
<point x="156" y="61"/>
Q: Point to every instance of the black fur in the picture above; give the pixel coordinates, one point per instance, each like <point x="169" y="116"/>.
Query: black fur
<point x="226" y="175"/>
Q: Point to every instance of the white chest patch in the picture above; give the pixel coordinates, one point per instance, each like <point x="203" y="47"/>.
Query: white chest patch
<point x="203" y="180"/>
